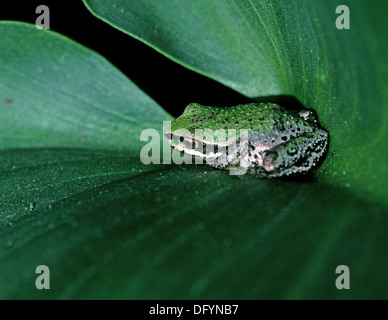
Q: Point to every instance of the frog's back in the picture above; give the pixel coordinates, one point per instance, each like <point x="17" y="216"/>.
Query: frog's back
<point x="268" y="123"/>
<point x="254" y="116"/>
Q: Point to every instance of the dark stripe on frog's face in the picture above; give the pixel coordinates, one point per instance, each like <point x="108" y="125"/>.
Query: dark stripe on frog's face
<point x="193" y="146"/>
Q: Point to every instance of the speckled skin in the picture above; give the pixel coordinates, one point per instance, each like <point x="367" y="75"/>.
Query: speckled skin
<point x="279" y="143"/>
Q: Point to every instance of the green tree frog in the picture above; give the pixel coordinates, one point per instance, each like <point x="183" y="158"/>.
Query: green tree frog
<point x="276" y="143"/>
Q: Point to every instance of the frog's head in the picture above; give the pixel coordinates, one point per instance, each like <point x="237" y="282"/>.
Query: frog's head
<point x="182" y="133"/>
<point x="194" y="117"/>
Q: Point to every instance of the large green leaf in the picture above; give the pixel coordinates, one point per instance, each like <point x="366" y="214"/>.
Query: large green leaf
<point x="184" y="233"/>
<point x="77" y="198"/>
<point x="56" y="93"/>
<point x="265" y="48"/>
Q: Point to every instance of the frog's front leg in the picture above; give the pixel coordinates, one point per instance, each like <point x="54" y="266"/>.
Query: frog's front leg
<point x="297" y="155"/>
<point x="235" y="159"/>
<point x="233" y="156"/>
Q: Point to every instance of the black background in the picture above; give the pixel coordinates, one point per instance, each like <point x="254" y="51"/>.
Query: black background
<point x="169" y="84"/>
